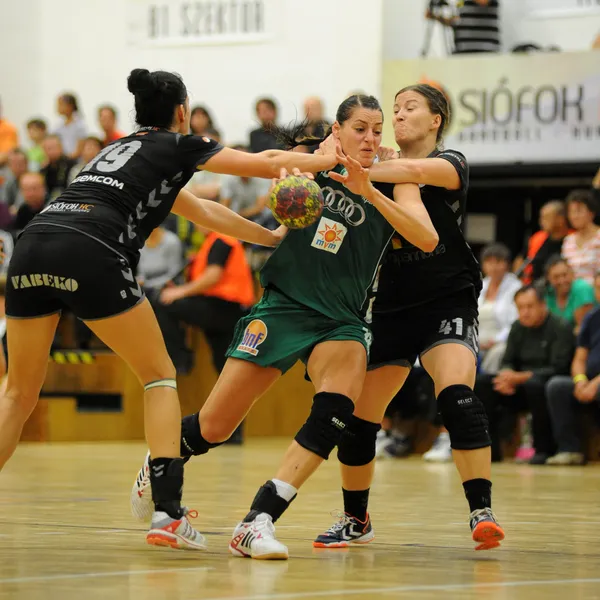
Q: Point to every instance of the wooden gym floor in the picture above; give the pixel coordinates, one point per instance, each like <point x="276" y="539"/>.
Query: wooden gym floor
<point x="66" y="532"/>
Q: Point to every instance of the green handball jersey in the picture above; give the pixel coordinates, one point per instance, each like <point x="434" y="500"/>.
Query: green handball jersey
<point x="331" y="265"/>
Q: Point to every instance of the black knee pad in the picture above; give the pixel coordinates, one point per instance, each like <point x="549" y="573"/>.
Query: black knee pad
<point x="464" y="417"/>
<point x="192" y="442"/>
<point x="326" y="423"/>
<point x="357" y="446"/>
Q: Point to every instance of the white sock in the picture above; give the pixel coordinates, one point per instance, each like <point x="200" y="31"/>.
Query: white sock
<point x="284" y="490"/>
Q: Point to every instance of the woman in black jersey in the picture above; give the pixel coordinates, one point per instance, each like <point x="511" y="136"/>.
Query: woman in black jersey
<point x="425" y="306"/>
<point x="80" y="251"/>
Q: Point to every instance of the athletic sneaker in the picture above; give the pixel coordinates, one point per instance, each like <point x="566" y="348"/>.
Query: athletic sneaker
<point x="256" y="539"/>
<point x="441" y="450"/>
<point x="567" y="458"/>
<point x="382" y="440"/>
<point x="347" y="530"/>
<point x="486" y="531"/>
<point x="175" y="533"/>
<point x="142" y="506"/>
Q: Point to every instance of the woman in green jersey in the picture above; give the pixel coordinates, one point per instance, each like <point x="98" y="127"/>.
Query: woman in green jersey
<point x="316" y="287"/>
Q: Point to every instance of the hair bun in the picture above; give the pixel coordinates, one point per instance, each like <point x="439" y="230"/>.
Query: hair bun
<point x="140" y="82"/>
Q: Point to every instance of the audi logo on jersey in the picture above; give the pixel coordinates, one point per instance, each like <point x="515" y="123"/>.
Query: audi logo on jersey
<point x="336" y="201"/>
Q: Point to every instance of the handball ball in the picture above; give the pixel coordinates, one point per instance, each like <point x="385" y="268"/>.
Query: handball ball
<point x="296" y="202"/>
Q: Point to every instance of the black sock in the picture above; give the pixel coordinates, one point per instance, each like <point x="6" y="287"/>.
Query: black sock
<point x="166" y="477"/>
<point x="356" y="503"/>
<point x="267" y="501"/>
<point x="478" y="493"/>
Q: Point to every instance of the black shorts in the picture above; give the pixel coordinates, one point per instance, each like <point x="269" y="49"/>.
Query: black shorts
<point x="399" y="338"/>
<point x="52" y="271"/>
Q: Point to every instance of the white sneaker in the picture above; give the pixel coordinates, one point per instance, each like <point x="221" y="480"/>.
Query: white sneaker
<point x="175" y="533"/>
<point x="567" y="458"/>
<point x="440" y="451"/>
<point x="142" y="506"/>
<point x="382" y="440"/>
<point x="257" y="540"/>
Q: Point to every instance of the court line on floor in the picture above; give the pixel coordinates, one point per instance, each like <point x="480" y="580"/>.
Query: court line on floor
<point x="66" y="576"/>
<point x="406" y="588"/>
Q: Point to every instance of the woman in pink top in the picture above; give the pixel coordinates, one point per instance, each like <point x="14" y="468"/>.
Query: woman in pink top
<point x="581" y="249"/>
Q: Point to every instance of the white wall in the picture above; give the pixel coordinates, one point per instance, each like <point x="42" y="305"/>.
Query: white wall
<point x="20" y="63"/>
<point x="327" y="48"/>
<point x="405" y="28"/>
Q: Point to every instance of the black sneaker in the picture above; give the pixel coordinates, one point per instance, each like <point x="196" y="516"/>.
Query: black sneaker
<point x="539" y="459"/>
<point x="347" y="530"/>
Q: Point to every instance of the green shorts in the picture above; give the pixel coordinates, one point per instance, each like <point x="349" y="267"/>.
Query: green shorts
<point x="278" y="332"/>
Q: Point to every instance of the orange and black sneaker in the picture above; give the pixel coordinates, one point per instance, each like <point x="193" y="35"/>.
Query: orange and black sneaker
<point x="345" y="531"/>
<point x="486" y="531"/>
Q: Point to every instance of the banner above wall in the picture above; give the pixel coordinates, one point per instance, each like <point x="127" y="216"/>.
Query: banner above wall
<point x="561" y="8"/>
<point x="201" y="22"/>
<point x="511" y="108"/>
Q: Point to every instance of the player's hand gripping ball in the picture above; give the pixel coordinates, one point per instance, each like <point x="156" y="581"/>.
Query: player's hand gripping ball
<point x="296" y="202"/>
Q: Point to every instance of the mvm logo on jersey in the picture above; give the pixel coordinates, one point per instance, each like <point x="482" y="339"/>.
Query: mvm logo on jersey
<point x="329" y="235"/>
<point x="254" y="336"/>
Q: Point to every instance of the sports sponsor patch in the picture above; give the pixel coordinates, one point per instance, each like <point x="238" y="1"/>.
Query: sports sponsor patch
<point x="329" y="235"/>
<point x="254" y="335"/>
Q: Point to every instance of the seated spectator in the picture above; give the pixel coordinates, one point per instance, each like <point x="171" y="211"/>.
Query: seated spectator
<point x="567" y="396"/>
<point x="9" y="138"/>
<point x="35" y="197"/>
<point x="17" y="166"/>
<point x="107" y="119"/>
<point x="161" y="261"/>
<point x="72" y="129"/>
<point x="201" y="121"/>
<point x="56" y="172"/>
<point x="244" y="195"/>
<point x="91" y="146"/>
<point x="317" y="126"/>
<point x="263" y="138"/>
<point x="205" y="184"/>
<point x="568" y="298"/>
<point x="539" y="346"/>
<point x="497" y="310"/>
<point x="544" y="243"/>
<point x="219" y="292"/>
<point x="7" y="246"/>
<point x="36" y="130"/>
<point x="582" y="248"/>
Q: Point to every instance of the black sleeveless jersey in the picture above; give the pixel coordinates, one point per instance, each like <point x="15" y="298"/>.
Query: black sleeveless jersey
<point x="128" y="189"/>
<point x="410" y="277"/>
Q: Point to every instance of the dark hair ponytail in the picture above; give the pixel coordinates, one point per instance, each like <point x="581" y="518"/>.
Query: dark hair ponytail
<point x="295" y="135"/>
<point x="156" y="94"/>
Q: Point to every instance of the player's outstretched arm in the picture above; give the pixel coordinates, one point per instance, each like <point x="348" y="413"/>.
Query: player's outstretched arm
<point x="427" y="171"/>
<point x="217" y="217"/>
<point x="267" y="164"/>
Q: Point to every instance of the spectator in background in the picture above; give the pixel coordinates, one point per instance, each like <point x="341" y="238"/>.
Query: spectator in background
<point x="7" y="246"/>
<point x="36" y="130"/>
<point x="56" y="172"/>
<point x="596" y="187"/>
<point x="204" y="184"/>
<point x="107" y="119"/>
<point x="91" y="146"/>
<point x="568" y="298"/>
<point x="17" y="167"/>
<point x="72" y="130"/>
<point x="263" y="138"/>
<point x="476" y="26"/>
<point x="201" y="121"/>
<point x="317" y="125"/>
<point x="244" y="195"/>
<point x="219" y="292"/>
<point x="544" y="243"/>
<point x="582" y="248"/>
<point x="539" y="346"/>
<point x="161" y="261"/>
<point x="497" y="309"/>
<point x="35" y="197"/>
<point x="9" y="138"/>
<point x="567" y="396"/>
